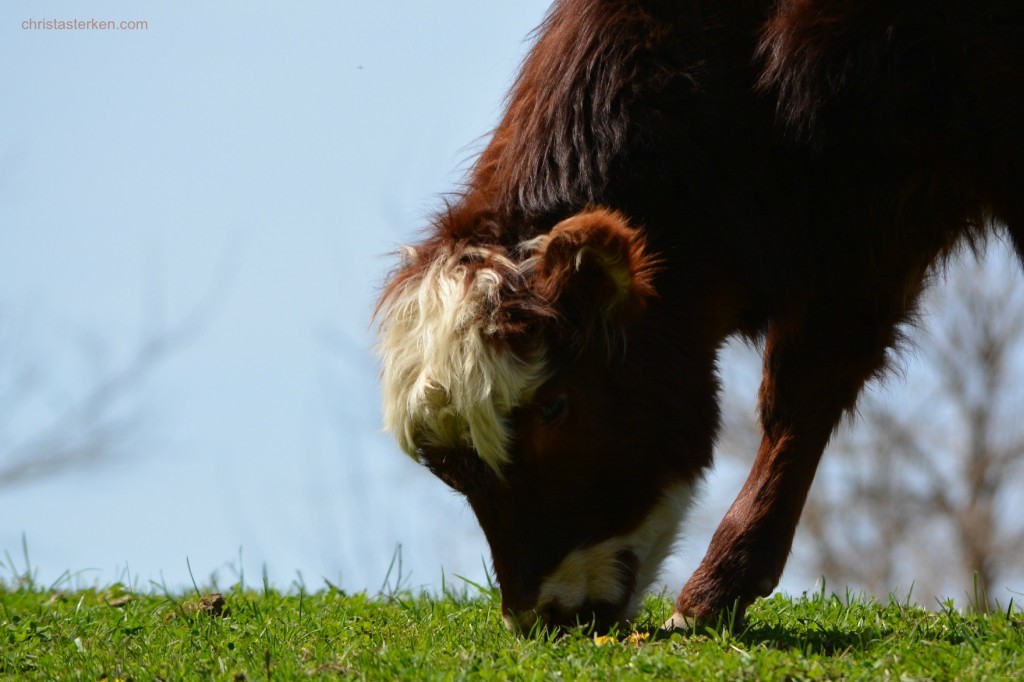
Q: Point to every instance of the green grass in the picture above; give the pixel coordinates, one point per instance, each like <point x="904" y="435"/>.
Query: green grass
<point x="114" y="633"/>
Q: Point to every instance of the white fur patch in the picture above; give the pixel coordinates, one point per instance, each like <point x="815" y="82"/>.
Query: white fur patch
<point x="592" y="574"/>
<point x="445" y="380"/>
<point x="679" y="621"/>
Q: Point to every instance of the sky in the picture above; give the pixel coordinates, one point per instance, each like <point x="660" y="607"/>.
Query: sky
<point x="239" y="171"/>
<point x="254" y="164"/>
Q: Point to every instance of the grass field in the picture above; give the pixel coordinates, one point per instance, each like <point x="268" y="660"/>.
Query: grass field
<point x="245" y="634"/>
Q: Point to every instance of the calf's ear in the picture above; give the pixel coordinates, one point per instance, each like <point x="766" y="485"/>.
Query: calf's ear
<point x="594" y="269"/>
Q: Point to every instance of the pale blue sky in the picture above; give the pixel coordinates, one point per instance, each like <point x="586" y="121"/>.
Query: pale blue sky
<point x="288" y="146"/>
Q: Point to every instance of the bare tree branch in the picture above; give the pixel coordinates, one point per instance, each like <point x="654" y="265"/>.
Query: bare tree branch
<point x="98" y="424"/>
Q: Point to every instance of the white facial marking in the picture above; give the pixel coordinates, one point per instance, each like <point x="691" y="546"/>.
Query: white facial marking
<point x="678" y="621"/>
<point x="520" y="623"/>
<point x="593" y="574"/>
<point x="445" y="381"/>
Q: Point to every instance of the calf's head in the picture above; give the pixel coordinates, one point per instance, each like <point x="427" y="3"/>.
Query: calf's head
<point x="532" y="380"/>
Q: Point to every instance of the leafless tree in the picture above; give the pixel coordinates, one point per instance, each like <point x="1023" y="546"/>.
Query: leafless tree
<point x="923" y="489"/>
<point x="96" y="425"/>
<point x="76" y="429"/>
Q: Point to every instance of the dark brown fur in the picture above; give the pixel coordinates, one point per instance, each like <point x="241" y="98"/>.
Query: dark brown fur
<point x="799" y="168"/>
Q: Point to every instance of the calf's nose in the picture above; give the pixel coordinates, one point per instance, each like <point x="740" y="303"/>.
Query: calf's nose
<point x="600" y="617"/>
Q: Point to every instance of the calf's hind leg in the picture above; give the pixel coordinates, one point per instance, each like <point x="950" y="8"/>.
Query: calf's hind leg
<point x="815" y="364"/>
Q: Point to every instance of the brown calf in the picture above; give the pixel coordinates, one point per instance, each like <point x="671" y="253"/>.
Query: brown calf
<point x="667" y="174"/>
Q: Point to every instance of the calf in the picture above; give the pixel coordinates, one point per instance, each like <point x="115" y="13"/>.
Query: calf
<point x="668" y="174"/>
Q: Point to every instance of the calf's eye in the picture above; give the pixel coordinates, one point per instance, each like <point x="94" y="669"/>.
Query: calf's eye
<point x="447" y="466"/>
<point x="553" y="409"/>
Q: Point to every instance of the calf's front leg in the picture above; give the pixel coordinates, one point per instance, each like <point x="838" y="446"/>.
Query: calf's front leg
<point x="815" y="364"/>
